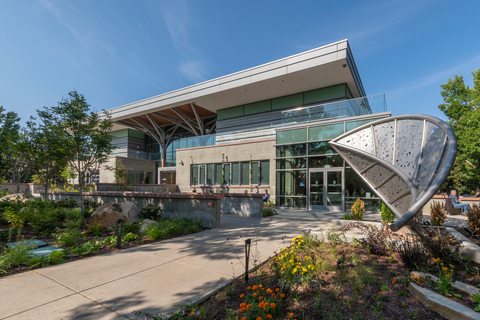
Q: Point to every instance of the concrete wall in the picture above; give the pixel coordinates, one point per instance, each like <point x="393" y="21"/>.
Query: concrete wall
<point x="160" y="188"/>
<point x="205" y="207"/>
<point x="258" y="150"/>
<point x="24" y="187"/>
<point x="245" y="205"/>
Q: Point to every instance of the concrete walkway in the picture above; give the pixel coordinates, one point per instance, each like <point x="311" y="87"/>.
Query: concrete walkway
<point x="154" y="277"/>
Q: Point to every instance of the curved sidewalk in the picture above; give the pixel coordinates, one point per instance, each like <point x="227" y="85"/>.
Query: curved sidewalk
<point x="154" y="277"/>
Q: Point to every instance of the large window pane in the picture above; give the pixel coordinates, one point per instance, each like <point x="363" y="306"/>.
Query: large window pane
<point x="291" y="183"/>
<point x="326" y="132"/>
<point x="218" y="174"/>
<point x="194" y="175"/>
<point x="235" y="174"/>
<point x="291" y="163"/>
<point x="355" y="187"/>
<point x="292" y="136"/>
<point x="255" y="173"/>
<point x="227" y="174"/>
<point x="265" y="173"/>
<point x="325" y="162"/>
<point x="319" y="148"/>
<point x="210" y="174"/>
<point x="355" y="124"/>
<point x="292" y="150"/>
<point x="298" y="202"/>
<point x="245" y="173"/>
<point x="201" y="176"/>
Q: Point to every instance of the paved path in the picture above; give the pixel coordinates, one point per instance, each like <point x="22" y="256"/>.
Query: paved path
<point x="154" y="277"/>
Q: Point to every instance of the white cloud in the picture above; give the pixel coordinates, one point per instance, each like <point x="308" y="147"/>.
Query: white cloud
<point x="176" y="17"/>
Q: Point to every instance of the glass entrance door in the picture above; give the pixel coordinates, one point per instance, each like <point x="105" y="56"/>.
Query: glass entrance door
<point x="316" y="190"/>
<point x="326" y="190"/>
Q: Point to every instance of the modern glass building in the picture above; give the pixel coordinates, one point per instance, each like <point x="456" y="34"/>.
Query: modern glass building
<point x="266" y="127"/>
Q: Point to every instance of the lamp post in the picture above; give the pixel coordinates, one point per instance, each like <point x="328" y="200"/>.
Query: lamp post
<point x="119" y="233"/>
<point x="247" y="257"/>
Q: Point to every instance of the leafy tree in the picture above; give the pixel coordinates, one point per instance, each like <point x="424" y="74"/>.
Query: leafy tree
<point x="462" y="108"/>
<point x="46" y="147"/>
<point x="88" y="137"/>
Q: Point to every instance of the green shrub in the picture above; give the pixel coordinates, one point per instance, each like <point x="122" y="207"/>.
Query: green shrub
<point x="473" y="214"/>
<point x="66" y="203"/>
<point x="133" y="227"/>
<point x="17" y="219"/>
<point x="73" y="218"/>
<point x="96" y="229"/>
<point x="358" y="209"/>
<point x="129" y="237"/>
<point x="151" y="212"/>
<point x="387" y="214"/>
<point x="15" y="256"/>
<point x="89" y="207"/>
<point x="69" y="238"/>
<point x="347" y="216"/>
<point x="188" y="226"/>
<point x="87" y="248"/>
<point x="56" y="257"/>
<point x="267" y="212"/>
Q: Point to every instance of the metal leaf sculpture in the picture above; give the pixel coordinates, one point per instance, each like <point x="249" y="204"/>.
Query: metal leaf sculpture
<point x="404" y="159"/>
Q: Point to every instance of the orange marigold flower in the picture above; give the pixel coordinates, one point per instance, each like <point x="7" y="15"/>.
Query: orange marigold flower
<point x="255" y="294"/>
<point x="418" y="281"/>
<point x="260" y="285"/>
<point x="244" y="318"/>
<point x="242" y="295"/>
<point x="278" y="289"/>
<point x="266" y="304"/>
<point x="394" y="280"/>
<point x="260" y="298"/>
<point x="290" y="314"/>
<point x="248" y="306"/>
<point x="273" y="295"/>
<point x="273" y="305"/>
<point x="248" y="288"/>
<point x="269" y="316"/>
<point x="243" y="305"/>
<point x="259" y="318"/>
<point x="263" y="289"/>
<point x="254" y="287"/>
<point x="282" y="296"/>
<point x="242" y="309"/>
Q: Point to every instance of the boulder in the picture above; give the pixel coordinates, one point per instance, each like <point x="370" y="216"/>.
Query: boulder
<point x="109" y="213"/>
<point x="145" y="224"/>
<point x="14" y="196"/>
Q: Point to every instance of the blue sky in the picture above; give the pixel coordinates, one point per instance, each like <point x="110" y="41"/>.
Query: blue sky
<point x="117" y="52"/>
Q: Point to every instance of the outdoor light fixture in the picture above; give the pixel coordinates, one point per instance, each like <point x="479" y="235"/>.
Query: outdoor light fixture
<point x="119" y="232"/>
<point x="247" y="256"/>
<point x="226" y="158"/>
<point x="181" y="162"/>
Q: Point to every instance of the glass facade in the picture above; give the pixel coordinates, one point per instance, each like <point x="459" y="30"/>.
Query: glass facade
<point x="310" y="174"/>
<point x="256" y="173"/>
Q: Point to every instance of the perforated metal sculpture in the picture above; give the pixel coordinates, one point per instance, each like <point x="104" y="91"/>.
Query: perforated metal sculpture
<point x="404" y="159"/>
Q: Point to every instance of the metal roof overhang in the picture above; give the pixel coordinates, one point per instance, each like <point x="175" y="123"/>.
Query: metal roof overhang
<point x="321" y="67"/>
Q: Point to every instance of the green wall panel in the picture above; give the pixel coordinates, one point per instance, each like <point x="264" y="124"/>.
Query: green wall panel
<point x="288" y="101"/>
<point x="327" y="132"/>
<point x="257" y="107"/>
<point x="230" y="113"/>
<point x="323" y="94"/>
<point x="136" y="134"/>
<point x="120" y="133"/>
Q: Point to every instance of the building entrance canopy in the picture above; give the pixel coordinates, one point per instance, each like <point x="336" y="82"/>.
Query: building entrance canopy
<point x="404" y="159"/>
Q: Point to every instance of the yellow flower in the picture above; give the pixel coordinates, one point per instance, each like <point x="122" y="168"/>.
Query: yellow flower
<point x="451" y="266"/>
<point x="445" y="268"/>
<point x="436" y="260"/>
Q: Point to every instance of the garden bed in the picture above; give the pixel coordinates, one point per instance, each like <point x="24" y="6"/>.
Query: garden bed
<point x="67" y="228"/>
<point x="316" y="279"/>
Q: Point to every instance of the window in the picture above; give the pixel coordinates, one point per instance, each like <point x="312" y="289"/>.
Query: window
<point x="265" y="172"/>
<point x="235" y="174"/>
<point x="245" y="173"/>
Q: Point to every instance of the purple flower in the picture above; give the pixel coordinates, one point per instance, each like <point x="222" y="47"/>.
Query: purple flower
<point x="198" y="312"/>
<point x="240" y="236"/>
<point x="351" y="265"/>
<point x="228" y="238"/>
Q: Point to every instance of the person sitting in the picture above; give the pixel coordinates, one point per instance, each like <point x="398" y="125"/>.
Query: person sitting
<point x="456" y="203"/>
<point x="266" y="196"/>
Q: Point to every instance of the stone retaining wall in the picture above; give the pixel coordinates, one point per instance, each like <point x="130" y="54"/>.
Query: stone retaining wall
<point x="245" y="205"/>
<point x="155" y="188"/>
<point x="205" y="207"/>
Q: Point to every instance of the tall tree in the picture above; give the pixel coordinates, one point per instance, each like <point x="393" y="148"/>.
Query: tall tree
<point x="462" y="108"/>
<point x="12" y="149"/>
<point x="88" y="138"/>
<point x="47" y="149"/>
